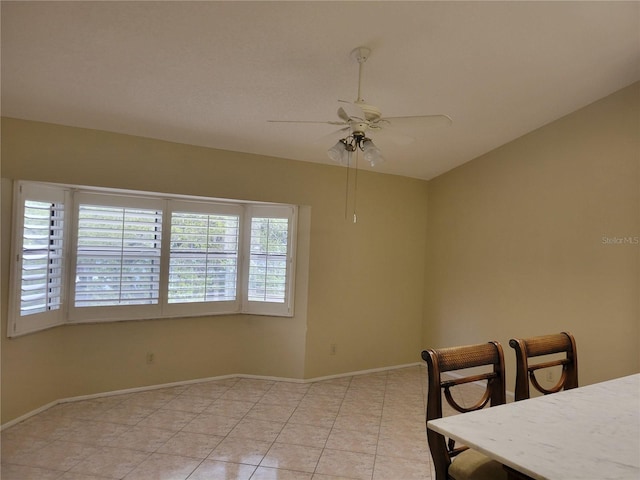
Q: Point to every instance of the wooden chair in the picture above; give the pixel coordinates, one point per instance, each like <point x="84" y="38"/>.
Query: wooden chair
<point x="462" y="463"/>
<point x="544" y="345"/>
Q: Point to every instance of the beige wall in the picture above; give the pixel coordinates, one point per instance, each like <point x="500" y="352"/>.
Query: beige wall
<point x="359" y="286"/>
<point x="515" y="243"/>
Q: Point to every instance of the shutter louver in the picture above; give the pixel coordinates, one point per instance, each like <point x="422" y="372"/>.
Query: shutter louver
<point x="118" y="256"/>
<point x="203" y="265"/>
<point x="268" y="260"/>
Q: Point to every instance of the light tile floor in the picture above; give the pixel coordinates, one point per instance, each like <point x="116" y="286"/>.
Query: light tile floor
<point x="361" y="427"/>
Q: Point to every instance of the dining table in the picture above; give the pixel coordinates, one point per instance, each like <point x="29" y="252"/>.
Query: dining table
<point x="585" y="433"/>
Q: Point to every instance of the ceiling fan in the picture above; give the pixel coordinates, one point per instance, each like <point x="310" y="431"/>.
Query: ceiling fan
<point x="358" y="118"/>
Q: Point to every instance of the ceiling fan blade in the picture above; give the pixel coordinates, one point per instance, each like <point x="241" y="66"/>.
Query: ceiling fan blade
<point x="353" y="110"/>
<point x="307" y="121"/>
<point x="419" y="120"/>
<point x="343" y="115"/>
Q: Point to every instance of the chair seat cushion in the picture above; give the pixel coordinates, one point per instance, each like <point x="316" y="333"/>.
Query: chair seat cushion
<point x="473" y="465"/>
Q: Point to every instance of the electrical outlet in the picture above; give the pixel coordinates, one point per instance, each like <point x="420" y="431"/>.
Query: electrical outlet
<point x="151" y="357"/>
<point x="333" y="349"/>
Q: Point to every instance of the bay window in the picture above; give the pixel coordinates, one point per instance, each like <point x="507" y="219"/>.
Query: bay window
<point x="83" y="254"/>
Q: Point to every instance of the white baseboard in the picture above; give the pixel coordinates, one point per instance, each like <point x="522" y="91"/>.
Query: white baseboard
<point x="194" y="381"/>
<point x="362" y="372"/>
<point x="29" y="414"/>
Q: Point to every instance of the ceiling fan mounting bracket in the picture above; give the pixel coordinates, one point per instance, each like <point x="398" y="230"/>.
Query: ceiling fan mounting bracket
<point x="360" y="54"/>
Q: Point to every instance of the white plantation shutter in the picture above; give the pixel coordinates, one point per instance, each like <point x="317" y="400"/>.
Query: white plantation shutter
<point x="270" y="266"/>
<point x="88" y="254"/>
<point x="204" y="255"/>
<point x="118" y="256"/>
<point x="118" y="249"/>
<point x="268" y="259"/>
<point x="38" y="270"/>
<point x="41" y="257"/>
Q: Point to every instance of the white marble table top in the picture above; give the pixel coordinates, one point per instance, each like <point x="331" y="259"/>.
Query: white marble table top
<point x="588" y="433"/>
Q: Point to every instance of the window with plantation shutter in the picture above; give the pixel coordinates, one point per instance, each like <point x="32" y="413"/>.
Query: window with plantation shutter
<point x="204" y="255"/>
<point x="85" y="254"/>
<point x="117" y="255"/>
<point x="270" y="265"/>
<point x="39" y="260"/>
<point x="41" y="257"/>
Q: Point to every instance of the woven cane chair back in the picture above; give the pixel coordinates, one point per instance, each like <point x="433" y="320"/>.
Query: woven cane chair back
<point x="527" y="348"/>
<point x="459" y="462"/>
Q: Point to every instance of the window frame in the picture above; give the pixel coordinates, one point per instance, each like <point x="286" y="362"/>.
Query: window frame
<point x="74" y="195"/>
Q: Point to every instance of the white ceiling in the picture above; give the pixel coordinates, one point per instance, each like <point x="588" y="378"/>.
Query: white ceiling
<point x="213" y="73"/>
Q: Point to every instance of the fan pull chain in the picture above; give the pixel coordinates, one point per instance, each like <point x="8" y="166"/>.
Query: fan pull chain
<point x="346" y="190"/>
<point x="355" y="187"/>
<point x="355" y="191"/>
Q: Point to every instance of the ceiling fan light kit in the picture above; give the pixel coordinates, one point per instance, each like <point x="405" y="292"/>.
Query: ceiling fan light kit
<point x="342" y="150"/>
